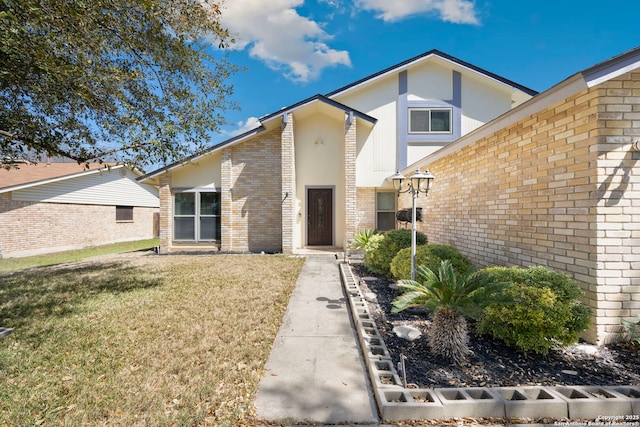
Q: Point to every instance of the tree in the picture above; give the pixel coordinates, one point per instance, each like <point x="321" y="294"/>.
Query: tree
<point x="94" y="80"/>
<point x="451" y="298"/>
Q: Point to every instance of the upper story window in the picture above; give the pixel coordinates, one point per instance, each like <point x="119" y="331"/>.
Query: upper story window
<point x="430" y="120"/>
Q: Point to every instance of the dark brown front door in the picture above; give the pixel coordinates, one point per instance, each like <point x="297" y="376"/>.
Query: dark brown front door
<point x="319" y="216"/>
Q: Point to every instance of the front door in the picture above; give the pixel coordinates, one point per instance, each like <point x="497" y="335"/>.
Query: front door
<point x="319" y="216"/>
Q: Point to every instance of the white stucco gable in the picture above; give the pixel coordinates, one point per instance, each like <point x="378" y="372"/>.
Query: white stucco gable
<point x="434" y="81"/>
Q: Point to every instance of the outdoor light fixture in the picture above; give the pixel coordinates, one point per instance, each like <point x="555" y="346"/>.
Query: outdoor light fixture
<point x="418" y="183"/>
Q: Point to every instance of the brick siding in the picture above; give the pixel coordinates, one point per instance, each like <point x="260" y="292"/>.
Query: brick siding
<point x="555" y="189"/>
<point x="288" y="190"/>
<point x="350" y="192"/>
<point x="366" y="208"/>
<point x="33" y="228"/>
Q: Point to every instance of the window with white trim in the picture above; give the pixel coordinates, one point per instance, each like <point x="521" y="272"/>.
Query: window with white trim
<point x="430" y="120"/>
<point x="385" y="210"/>
<point x="196" y="216"/>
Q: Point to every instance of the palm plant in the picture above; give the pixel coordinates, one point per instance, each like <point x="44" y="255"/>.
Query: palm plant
<point x="451" y="299"/>
<point x="362" y="238"/>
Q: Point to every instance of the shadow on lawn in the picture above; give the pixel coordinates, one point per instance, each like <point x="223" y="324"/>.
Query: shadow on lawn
<point x="58" y="291"/>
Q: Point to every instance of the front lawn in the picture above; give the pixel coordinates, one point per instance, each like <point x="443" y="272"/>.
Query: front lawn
<point x="14" y="264"/>
<point x="140" y="339"/>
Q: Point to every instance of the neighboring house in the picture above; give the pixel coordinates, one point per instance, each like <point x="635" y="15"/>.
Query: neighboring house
<point x="57" y="206"/>
<point x="553" y="182"/>
<point x="314" y="173"/>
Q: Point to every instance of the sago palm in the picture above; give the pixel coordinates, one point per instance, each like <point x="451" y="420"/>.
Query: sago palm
<point x="451" y="299"/>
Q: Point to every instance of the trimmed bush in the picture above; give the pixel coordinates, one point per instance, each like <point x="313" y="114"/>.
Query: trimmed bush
<point x="429" y="256"/>
<point x="370" y="250"/>
<point x="542" y="309"/>
<point x="380" y="253"/>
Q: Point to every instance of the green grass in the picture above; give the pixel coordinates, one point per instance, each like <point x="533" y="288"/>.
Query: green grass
<point x="14" y="264"/>
<point x="140" y="341"/>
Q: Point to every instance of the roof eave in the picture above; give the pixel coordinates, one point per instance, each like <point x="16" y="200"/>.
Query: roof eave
<point x="202" y="154"/>
<point x="434" y="52"/>
<point x="263" y="121"/>
<point x="555" y="94"/>
<point x="57" y="179"/>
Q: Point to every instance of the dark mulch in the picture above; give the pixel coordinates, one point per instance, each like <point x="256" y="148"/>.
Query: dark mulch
<point x="492" y="363"/>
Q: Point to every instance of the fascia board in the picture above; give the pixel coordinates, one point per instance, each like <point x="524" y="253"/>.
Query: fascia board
<point x="217" y="147"/>
<point x="454" y="62"/>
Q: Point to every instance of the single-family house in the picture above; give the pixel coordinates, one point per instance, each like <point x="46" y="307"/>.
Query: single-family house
<point x="55" y="206"/>
<point x="554" y="181"/>
<point x="315" y="173"/>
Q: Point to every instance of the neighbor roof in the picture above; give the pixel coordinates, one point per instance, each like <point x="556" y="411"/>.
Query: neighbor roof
<point x="32" y="174"/>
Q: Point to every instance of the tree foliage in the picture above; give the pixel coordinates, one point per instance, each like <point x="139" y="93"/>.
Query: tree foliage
<point x="94" y="80"/>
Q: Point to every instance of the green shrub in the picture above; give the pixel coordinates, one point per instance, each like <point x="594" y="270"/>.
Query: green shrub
<point x="543" y="309"/>
<point x="370" y="249"/>
<point x="378" y="259"/>
<point x="451" y="298"/>
<point x="429" y="256"/>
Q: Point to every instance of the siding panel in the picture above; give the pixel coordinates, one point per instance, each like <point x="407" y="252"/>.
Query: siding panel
<point x="110" y="188"/>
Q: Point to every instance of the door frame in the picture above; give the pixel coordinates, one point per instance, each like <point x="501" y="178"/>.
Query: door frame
<point x="333" y="211"/>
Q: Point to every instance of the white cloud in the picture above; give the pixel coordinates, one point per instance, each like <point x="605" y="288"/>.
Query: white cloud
<point x="250" y="124"/>
<point x="456" y="11"/>
<point x="275" y="33"/>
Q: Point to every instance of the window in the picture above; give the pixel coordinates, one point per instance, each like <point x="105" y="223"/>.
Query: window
<point x="385" y="210"/>
<point x="196" y="216"/>
<point x="124" y="213"/>
<point x="429" y="120"/>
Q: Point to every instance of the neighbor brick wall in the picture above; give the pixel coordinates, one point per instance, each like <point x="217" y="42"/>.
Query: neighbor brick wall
<point x="531" y="194"/>
<point x="33" y="228"/>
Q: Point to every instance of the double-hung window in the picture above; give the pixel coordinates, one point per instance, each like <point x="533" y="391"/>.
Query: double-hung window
<point x="385" y="210"/>
<point x="430" y="120"/>
<point x="196" y="216"/>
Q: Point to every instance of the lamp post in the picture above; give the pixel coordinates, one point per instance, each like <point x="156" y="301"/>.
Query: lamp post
<point x="418" y="183"/>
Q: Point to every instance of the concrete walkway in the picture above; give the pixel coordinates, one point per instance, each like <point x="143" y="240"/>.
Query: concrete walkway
<point x="315" y="371"/>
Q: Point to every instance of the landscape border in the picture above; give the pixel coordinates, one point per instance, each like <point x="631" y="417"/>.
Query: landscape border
<point x="605" y="405"/>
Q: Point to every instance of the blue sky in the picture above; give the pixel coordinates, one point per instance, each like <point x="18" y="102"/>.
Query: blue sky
<point x="294" y="49"/>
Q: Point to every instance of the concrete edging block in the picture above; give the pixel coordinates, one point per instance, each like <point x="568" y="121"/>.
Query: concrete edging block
<point x="377" y="352"/>
<point x="381" y="366"/>
<point x="633" y="394"/>
<point x="416" y="404"/>
<point x="532" y="401"/>
<point x="397" y="403"/>
<point x="387" y="380"/>
<point x="477" y="402"/>
<point x="594" y="401"/>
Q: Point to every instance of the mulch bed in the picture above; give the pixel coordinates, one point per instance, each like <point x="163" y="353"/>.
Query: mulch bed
<point x="492" y="363"/>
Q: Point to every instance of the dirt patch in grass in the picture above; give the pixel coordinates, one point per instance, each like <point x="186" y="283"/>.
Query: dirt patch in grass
<point x="140" y="339"/>
<point x="492" y="363"/>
